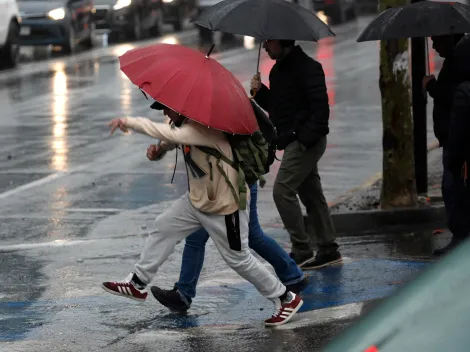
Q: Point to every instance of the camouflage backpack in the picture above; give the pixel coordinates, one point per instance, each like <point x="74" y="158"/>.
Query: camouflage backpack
<point x="253" y="155"/>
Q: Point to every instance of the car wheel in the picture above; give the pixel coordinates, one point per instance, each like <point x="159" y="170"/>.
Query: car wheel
<point x="11" y="51"/>
<point x="69" y="47"/>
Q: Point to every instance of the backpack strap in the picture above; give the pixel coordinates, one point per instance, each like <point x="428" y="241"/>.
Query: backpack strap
<point x="259" y="163"/>
<point x="211" y="175"/>
<point x="240" y="198"/>
<point x="218" y="155"/>
<point x="240" y="201"/>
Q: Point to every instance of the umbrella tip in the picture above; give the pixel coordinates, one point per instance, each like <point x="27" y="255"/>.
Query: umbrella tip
<point x="210" y="51"/>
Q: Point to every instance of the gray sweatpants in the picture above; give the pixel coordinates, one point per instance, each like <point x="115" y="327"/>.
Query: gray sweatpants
<point x="229" y="233"/>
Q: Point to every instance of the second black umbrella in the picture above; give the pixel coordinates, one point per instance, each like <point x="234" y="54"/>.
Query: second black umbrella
<point x="421" y="19"/>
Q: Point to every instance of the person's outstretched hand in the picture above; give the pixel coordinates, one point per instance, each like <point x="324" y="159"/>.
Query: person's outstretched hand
<point x="118" y="123"/>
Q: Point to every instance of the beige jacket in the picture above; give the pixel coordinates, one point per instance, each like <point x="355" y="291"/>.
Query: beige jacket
<point x="208" y="196"/>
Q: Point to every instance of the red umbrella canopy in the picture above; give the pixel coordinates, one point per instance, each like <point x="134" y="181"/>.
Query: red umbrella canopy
<point x="191" y="84"/>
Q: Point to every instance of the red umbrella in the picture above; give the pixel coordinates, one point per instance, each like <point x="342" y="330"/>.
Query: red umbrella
<point x="191" y="84"/>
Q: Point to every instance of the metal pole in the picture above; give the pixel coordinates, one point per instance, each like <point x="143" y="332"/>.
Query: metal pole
<point x="418" y="71"/>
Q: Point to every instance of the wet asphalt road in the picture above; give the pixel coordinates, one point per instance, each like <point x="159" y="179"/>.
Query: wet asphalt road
<point x="76" y="205"/>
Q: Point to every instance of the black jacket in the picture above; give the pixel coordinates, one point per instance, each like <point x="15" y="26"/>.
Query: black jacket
<point x="459" y="132"/>
<point x="297" y="101"/>
<point x="442" y="91"/>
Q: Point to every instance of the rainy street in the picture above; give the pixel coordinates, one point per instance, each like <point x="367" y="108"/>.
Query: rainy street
<point x="76" y="205"/>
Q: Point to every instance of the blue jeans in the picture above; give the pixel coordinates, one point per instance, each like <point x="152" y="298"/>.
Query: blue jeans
<point x="194" y="250"/>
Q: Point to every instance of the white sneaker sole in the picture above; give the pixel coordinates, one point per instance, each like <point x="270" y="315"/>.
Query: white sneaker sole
<point x="306" y="261"/>
<point x="294" y="312"/>
<point x="337" y="261"/>
<point x="122" y="295"/>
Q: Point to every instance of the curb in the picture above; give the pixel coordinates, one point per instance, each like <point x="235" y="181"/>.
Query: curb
<point x="394" y="220"/>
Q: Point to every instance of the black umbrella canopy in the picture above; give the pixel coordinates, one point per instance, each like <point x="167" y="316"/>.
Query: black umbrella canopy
<point x="264" y="19"/>
<point x="421" y="19"/>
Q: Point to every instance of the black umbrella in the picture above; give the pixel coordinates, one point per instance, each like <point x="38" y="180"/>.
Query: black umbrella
<point x="264" y="19"/>
<point x="421" y="19"/>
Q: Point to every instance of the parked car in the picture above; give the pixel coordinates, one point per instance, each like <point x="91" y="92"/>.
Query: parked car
<point x="9" y="33"/>
<point x="133" y="19"/>
<point x="338" y="11"/>
<point x="57" y="22"/>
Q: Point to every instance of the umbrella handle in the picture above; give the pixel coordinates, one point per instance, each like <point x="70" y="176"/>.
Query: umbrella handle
<point x="257" y="66"/>
<point x="254" y="93"/>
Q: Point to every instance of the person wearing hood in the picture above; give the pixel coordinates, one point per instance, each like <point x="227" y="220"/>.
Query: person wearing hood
<point x="210" y="204"/>
<point x="441" y="90"/>
<point x="458" y="158"/>
<point x="180" y="297"/>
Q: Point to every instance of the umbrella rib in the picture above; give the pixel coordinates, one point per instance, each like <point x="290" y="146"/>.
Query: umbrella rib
<point x="306" y="24"/>
<point x="196" y="79"/>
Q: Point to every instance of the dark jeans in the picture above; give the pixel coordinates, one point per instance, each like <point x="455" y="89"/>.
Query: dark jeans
<point x="456" y="196"/>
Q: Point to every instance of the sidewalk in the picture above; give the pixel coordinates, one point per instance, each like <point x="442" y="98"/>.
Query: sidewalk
<point x="358" y="211"/>
<point x="367" y="196"/>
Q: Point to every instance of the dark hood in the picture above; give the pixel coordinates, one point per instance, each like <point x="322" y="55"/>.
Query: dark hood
<point x="461" y="60"/>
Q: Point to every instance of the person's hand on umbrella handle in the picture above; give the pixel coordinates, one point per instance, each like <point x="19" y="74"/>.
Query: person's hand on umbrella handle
<point x="255" y="84"/>
<point x="118" y="123"/>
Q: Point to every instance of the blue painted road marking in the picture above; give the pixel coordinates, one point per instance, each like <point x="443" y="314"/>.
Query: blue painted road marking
<point x="352" y="282"/>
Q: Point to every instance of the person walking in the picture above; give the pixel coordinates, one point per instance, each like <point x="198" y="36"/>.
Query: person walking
<point x="442" y="91"/>
<point x="297" y="103"/>
<point x="458" y="158"/>
<point x="180" y="297"/>
<point x="210" y="204"/>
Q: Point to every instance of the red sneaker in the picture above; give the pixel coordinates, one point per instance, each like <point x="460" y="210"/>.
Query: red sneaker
<point x="285" y="310"/>
<point x="125" y="289"/>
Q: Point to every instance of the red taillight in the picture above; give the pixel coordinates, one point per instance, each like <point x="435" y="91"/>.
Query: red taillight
<point x="329" y="2"/>
<point x="371" y="349"/>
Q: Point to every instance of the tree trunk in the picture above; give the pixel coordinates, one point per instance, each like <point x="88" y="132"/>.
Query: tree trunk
<point x="399" y="185"/>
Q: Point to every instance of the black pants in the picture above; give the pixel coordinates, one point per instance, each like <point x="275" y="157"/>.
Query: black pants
<point x="459" y="216"/>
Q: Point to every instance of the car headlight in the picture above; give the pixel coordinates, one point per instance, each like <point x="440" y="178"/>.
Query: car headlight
<point x="57" y="14"/>
<point x="167" y="1"/>
<point x="121" y="4"/>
